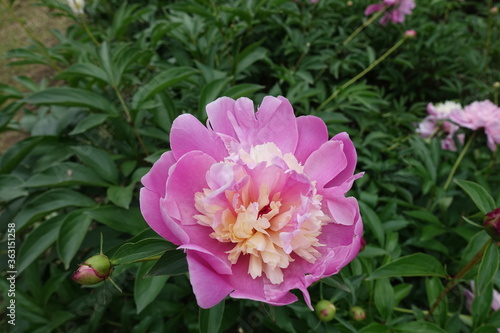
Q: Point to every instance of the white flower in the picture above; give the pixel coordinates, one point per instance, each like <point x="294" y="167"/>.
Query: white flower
<point x="76" y="6"/>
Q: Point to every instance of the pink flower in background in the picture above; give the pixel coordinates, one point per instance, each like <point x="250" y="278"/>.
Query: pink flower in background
<point x="256" y="200"/>
<point x="484" y="114"/>
<point x="437" y="120"/>
<point x="469" y="298"/>
<point x="396" y="10"/>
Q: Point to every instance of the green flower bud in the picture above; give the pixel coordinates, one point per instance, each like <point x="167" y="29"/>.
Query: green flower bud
<point x="325" y="310"/>
<point x="93" y="270"/>
<point x="492" y="224"/>
<point x="358" y="313"/>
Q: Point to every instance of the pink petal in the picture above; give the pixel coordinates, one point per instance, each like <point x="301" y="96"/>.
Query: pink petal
<point x="326" y="163"/>
<point x="189" y="134"/>
<point x="312" y="133"/>
<point x="277" y="123"/>
<point x="218" y="115"/>
<point x="373" y="8"/>
<point x="351" y="156"/>
<point x="213" y="259"/>
<point x="209" y="287"/>
<point x="186" y="178"/>
<point x="343" y="210"/>
<point x="156" y="178"/>
<point x="150" y="208"/>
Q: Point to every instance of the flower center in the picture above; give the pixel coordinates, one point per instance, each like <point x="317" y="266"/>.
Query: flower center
<point x="270" y="213"/>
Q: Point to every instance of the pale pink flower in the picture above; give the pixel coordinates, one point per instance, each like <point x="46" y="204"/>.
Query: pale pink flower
<point x="437" y="120"/>
<point x="395" y="12"/>
<point x="484" y="114"/>
<point x="256" y="200"/>
<point x="410" y="34"/>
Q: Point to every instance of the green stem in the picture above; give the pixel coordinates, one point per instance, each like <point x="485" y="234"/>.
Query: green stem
<point x="360" y="75"/>
<point x="459" y="159"/>
<point x="363" y="26"/>
<point x="464" y="318"/>
<point x="454" y="281"/>
<point x="87" y="30"/>
<point x="40" y="45"/>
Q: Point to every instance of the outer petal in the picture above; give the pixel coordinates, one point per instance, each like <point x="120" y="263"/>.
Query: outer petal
<point x="343" y="210"/>
<point x="326" y="163"/>
<point x="374" y="8"/>
<point x="187" y="178"/>
<point x="189" y="134"/>
<point x="350" y="154"/>
<point x="150" y="208"/>
<point x="218" y="115"/>
<point x="209" y="287"/>
<point x="156" y="178"/>
<point x="277" y="123"/>
<point x="312" y="133"/>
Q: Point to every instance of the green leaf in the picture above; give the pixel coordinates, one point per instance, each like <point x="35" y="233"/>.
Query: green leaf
<point x="419" y="326"/>
<point x="47" y="202"/>
<point x="99" y="161"/>
<point x="85" y="69"/>
<point x="71" y="235"/>
<point x="160" y="82"/>
<point x="142" y="249"/>
<point x="170" y="263"/>
<point x="211" y="92"/>
<point x="120" y="195"/>
<point x="434" y="287"/>
<point x="147" y="289"/>
<point x="38" y="241"/>
<point x="478" y="194"/>
<point x="11" y="188"/>
<point x="211" y="319"/>
<point x="242" y="90"/>
<point x="375" y="328"/>
<point x="248" y="56"/>
<point x="481" y="305"/>
<point x="120" y="219"/>
<point x="91" y="121"/>
<point x="487" y="269"/>
<point x="384" y="298"/>
<point x="18" y="152"/>
<point x="417" y="264"/>
<point x="65" y="174"/>
<point x="371" y="219"/>
<point x="66" y="96"/>
<point x="486" y="329"/>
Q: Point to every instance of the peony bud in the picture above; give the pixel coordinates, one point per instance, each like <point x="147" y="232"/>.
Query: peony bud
<point x="350" y="3"/>
<point x="325" y="310"/>
<point x="93" y="270"/>
<point x="358" y="313"/>
<point x="496" y="85"/>
<point x="494" y="10"/>
<point x="76" y="6"/>
<point x="492" y="224"/>
<point x="410" y="34"/>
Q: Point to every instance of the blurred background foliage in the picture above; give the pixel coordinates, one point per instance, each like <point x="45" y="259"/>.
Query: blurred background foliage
<point x="117" y="77"/>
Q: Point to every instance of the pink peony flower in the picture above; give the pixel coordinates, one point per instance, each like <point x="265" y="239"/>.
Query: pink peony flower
<point x="478" y="115"/>
<point x="396" y="10"/>
<point x="256" y="200"/>
<point x="437" y="120"/>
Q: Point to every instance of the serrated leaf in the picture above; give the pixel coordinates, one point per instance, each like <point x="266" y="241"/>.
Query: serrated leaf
<point x="71" y="234"/>
<point x="417" y="264"/>
<point x="478" y="194"/>
<point x="142" y="249"/>
<point x="67" y="96"/>
<point x="47" y="202"/>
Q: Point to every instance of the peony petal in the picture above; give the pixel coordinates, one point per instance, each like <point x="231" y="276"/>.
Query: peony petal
<point x="186" y="178"/>
<point x="374" y="8"/>
<point x="150" y="208"/>
<point x="209" y="287"/>
<point x="218" y="115"/>
<point x="156" y="178"/>
<point x="343" y="210"/>
<point x="326" y="163"/>
<point x="277" y="124"/>
<point x="189" y="134"/>
<point x="213" y="259"/>
<point x="350" y="154"/>
<point x="312" y="133"/>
